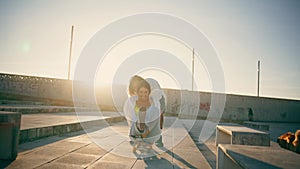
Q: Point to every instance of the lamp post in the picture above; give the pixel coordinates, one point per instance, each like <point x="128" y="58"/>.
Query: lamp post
<point x="70" y="53"/>
<point x="258" y="78"/>
<point x="193" y="67"/>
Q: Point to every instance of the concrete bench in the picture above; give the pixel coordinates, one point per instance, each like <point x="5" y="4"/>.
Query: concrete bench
<point x="254" y="157"/>
<point x="257" y="125"/>
<point x="238" y="134"/>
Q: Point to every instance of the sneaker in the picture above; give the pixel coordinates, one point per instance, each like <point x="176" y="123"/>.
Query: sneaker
<point x="159" y="142"/>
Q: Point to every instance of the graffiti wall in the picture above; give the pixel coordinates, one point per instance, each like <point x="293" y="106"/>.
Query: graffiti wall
<point x="36" y="87"/>
<point x="237" y="107"/>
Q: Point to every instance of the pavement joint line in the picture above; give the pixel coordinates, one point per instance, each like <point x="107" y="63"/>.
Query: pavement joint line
<point x="134" y="163"/>
<point x="97" y="159"/>
<point x="62" y="155"/>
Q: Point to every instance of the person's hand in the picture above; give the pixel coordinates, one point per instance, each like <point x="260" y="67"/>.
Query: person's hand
<point x="145" y="134"/>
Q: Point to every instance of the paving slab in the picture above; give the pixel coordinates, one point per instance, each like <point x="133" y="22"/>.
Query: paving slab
<point x="109" y="165"/>
<point x="155" y="163"/>
<point x="44" y="154"/>
<point x="92" y="149"/>
<point x="187" y="155"/>
<point x="111" y="160"/>
<point x="57" y="165"/>
<point x="79" y="159"/>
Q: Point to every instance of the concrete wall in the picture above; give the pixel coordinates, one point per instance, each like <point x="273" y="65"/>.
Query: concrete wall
<point x="56" y="91"/>
<point x="238" y="107"/>
<point x="182" y="103"/>
<point x="36" y="87"/>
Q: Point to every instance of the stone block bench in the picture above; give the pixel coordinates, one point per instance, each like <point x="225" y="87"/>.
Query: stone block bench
<point x="257" y="125"/>
<point x="238" y="134"/>
<point x="256" y="157"/>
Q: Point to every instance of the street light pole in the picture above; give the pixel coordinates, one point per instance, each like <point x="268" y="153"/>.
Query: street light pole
<point x="70" y="52"/>
<point x="258" y="77"/>
<point x="193" y="67"/>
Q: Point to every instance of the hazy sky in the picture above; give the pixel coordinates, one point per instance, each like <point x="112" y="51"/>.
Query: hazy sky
<point x="35" y="38"/>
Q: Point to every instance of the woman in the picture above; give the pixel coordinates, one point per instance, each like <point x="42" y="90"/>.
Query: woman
<point x="157" y="96"/>
<point x="151" y="131"/>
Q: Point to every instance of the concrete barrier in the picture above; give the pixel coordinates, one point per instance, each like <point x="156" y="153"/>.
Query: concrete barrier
<point x="32" y="134"/>
<point x="256" y="125"/>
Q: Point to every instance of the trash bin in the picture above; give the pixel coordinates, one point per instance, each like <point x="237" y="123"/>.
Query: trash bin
<point x="9" y="134"/>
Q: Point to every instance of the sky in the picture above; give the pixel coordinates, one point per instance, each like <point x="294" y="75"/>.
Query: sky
<point x="35" y="40"/>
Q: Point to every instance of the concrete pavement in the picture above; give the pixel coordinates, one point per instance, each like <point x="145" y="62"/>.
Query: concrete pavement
<point x="103" y="143"/>
<point x="109" y="147"/>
